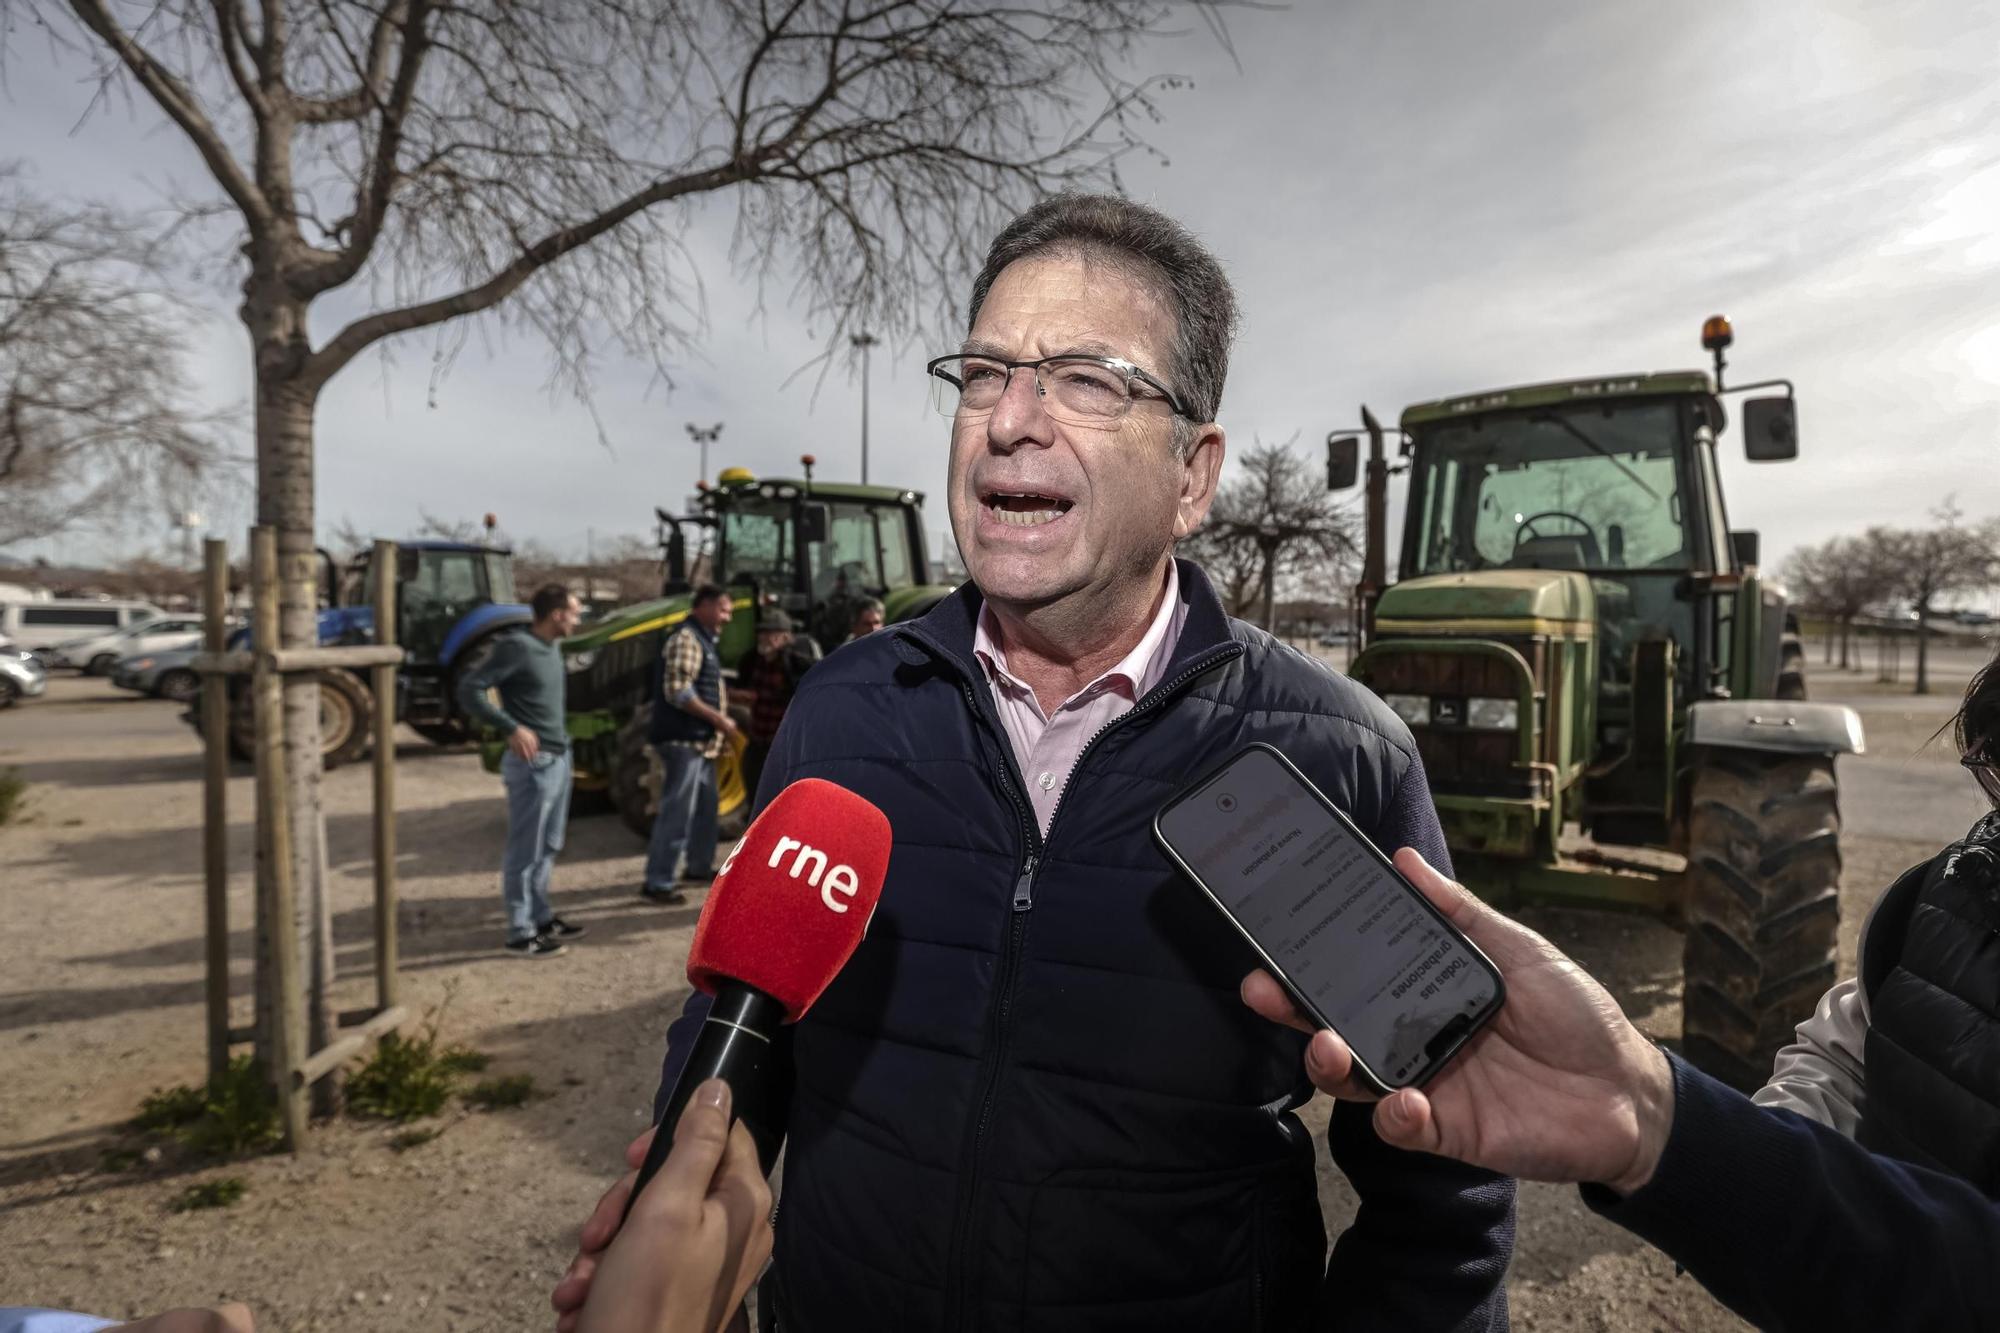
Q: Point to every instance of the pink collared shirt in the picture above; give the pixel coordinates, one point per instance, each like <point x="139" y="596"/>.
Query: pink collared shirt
<point x="1047" y="746"/>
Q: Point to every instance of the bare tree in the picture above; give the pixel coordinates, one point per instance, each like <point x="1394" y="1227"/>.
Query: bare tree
<point x="1276" y="522"/>
<point x="1924" y="564"/>
<point x="1839" y="579"/>
<point x="445" y="157"/>
<point x="95" y="423"/>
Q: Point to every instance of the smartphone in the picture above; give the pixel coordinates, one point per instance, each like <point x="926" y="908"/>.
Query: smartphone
<point x="1359" y="948"/>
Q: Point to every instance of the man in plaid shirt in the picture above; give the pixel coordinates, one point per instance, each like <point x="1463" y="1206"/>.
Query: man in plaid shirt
<point x="689" y="725"/>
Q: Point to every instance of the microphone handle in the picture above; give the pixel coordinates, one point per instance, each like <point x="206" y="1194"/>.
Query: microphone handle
<point x="738" y="1044"/>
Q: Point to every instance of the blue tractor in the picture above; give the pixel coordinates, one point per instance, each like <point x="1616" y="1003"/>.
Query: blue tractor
<point x="452" y="598"/>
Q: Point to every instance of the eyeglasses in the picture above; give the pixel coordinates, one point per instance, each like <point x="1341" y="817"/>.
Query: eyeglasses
<point x="1076" y="390"/>
<point x="1987" y="772"/>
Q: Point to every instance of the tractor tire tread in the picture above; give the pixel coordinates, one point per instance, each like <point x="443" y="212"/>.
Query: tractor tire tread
<point x="1763" y="907"/>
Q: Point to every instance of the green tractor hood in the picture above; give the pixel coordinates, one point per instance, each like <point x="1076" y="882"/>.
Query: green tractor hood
<point x="1533" y="601"/>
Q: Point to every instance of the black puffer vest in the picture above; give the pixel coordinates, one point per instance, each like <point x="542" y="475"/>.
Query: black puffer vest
<point x="1033" y="1099"/>
<point x="1931" y="968"/>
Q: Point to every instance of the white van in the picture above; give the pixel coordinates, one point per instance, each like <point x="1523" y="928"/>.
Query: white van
<point x="34" y="625"/>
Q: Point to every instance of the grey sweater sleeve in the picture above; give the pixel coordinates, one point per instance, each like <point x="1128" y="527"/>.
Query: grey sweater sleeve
<point x="492" y="670"/>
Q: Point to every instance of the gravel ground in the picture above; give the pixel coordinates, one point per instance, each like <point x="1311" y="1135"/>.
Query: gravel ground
<point x="100" y="1002"/>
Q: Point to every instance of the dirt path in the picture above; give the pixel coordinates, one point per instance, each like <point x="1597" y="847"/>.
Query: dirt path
<point x="100" y="1001"/>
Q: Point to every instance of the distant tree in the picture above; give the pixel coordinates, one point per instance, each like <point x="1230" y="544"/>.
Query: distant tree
<point x="96" y="427"/>
<point x="1276" y="522"/>
<point x="1839" y="579"/>
<point x="1925" y="564"/>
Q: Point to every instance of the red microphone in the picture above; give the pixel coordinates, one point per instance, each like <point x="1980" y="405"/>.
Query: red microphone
<point x="783" y="917"/>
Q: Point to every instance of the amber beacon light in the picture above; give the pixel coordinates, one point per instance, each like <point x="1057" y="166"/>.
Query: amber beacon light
<point x="1716" y="333"/>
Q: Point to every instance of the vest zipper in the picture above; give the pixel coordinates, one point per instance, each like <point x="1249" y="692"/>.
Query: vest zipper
<point x="957" y="1269"/>
<point x="956" y="1265"/>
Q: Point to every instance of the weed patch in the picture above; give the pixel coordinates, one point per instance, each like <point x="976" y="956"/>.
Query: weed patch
<point x="235" y="1114"/>
<point x="13" y="791"/>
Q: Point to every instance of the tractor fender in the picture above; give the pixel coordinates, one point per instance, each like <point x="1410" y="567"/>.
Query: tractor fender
<point x="1780" y="726"/>
<point x="477" y="622"/>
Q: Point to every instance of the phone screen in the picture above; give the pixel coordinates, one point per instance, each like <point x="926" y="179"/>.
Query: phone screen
<point x="1353" y="938"/>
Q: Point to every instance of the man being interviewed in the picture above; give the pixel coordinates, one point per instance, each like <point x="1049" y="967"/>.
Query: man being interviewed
<point x="1033" y="1099"/>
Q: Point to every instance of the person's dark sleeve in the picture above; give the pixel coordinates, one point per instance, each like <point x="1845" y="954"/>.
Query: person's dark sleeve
<point x="1411" y="820"/>
<point x="1795" y="1226"/>
<point x="491" y="670"/>
<point x="1430" y="1246"/>
<point x="681" y="1032"/>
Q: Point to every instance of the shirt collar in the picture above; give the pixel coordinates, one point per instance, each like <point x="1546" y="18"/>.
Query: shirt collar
<point x="1138" y="671"/>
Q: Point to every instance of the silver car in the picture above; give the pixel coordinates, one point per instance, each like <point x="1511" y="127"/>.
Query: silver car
<point x="21" y="676"/>
<point x="164" y="675"/>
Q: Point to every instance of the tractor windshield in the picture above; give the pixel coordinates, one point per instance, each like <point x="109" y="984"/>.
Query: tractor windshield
<point x="1594" y="487"/>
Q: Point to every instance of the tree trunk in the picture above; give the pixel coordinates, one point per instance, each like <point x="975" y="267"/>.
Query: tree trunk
<point x="1923" y="649"/>
<point x="1270" y="585"/>
<point x="285" y="502"/>
<point x="1846" y="639"/>
<point x="1832" y="633"/>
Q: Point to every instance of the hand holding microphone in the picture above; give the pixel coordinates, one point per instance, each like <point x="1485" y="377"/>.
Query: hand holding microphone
<point x="786" y="912"/>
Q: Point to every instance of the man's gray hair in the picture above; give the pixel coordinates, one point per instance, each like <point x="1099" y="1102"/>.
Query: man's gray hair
<point x="1152" y="248"/>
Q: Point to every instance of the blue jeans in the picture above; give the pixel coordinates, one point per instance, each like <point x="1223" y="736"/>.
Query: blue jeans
<point x="685" y="821"/>
<point x="537" y="818"/>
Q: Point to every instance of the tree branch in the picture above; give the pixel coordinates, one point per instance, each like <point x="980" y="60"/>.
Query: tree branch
<point x="178" y="101"/>
<point x="363" y="333"/>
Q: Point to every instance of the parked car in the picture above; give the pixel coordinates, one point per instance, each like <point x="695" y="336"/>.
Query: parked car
<point x="41" y="625"/>
<point x="1335" y="637"/>
<point x="168" y="674"/>
<point x="21" y="676"/>
<point x="97" y="654"/>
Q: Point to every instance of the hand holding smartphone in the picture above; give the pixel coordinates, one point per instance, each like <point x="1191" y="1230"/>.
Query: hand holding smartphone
<point x="1360" y="949"/>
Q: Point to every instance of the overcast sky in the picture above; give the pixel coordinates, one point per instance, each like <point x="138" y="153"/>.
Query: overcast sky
<point x="1414" y="198"/>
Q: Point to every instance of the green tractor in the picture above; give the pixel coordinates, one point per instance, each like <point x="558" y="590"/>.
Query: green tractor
<point x="813" y="549"/>
<point x="1603" y="688"/>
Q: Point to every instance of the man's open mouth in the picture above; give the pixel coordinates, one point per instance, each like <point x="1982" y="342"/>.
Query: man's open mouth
<point x="1025" y="509"/>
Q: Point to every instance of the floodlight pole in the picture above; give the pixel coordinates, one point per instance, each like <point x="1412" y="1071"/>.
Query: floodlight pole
<point x="864" y="341"/>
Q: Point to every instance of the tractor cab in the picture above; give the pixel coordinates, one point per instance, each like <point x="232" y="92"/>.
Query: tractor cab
<point x="815" y="550"/>
<point x="437" y="584"/>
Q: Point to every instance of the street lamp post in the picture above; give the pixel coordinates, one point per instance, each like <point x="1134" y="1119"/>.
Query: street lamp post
<point x="864" y="341"/>
<point x="704" y="436"/>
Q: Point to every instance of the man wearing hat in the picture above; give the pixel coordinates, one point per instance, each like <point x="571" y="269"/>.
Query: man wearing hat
<point x="771" y="671"/>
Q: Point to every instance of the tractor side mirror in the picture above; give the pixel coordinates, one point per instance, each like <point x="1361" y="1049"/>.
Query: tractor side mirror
<point x="1770" y="430"/>
<point x="812" y="523"/>
<point x="1744" y="547"/>
<point x="1343" y="461"/>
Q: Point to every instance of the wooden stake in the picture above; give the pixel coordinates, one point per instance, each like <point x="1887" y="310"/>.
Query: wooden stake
<point x="382" y="566"/>
<point x="215" y="803"/>
<point x="277" y="899"/>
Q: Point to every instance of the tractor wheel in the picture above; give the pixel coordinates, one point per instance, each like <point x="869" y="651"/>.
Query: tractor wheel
<point x="634" y="785"/>
<point x="346" y="721"/>
<point x="346" y="718"/>
<point x="634" y="780"/>
<point x="1763" y="907"/>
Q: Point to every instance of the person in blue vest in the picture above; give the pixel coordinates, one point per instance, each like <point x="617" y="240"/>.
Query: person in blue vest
<point x="690" y="724"/>
<point x="1033" y="1099"/>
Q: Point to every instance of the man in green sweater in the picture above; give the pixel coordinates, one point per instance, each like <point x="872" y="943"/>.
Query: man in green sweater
<point x="526" y="669"/>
